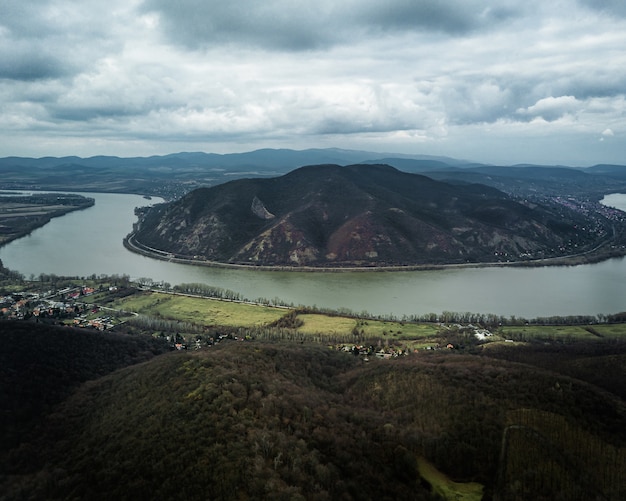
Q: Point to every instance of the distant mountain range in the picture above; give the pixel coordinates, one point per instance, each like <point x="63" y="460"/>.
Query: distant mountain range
<point x="359" y="215"/>
<point x="171" y="176"/>
<point x="273" y="159"/>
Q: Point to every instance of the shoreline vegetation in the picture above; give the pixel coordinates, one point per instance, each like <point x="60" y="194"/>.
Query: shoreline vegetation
<point x="605" y="250"/>
<point x="115" y="284"/>
<point x="20" y="215"/>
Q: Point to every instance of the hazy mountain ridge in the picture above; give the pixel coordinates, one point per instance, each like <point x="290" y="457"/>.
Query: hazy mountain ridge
<point x="175" y="174"/>
<point x="359" y="215"/>
<point x="540" y="181"/>
<point x="266" y="157"/>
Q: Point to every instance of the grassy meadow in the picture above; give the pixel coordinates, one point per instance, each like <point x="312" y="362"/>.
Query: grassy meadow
<point x="443" y="486"/>
<point x="197" y="310"/>
<point x="215" y="313"/>
<point x="563" y="332"/>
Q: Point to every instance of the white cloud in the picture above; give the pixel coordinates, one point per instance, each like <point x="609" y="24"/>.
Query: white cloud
<point x="552" y="108"/>
<point x="419" y="76"/>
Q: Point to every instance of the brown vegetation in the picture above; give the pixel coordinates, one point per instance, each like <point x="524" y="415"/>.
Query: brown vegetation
<point x="257" y="420"/>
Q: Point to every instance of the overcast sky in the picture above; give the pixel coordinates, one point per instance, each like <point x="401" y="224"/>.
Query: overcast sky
<point x="499" y="82"/>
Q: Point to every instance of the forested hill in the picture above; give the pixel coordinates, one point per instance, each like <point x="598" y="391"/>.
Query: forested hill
<point x="362" y="215"/>
<point x="40" y="365"/>
<point x="256" y="420"/>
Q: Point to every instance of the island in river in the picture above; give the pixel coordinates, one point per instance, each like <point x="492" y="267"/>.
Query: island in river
<point x="20" y="214"/>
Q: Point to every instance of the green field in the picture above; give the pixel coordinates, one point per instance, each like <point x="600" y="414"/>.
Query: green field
<point x="201" y="311"/>
<point x="325" y="324"/>
<point x="447" y="488"/>
<point x="563" y="332"/>
<point x="610" y="330"/>
<point x="399" y="330"/>
<point x="367" y="329"/>
<point x="213" y="313"/>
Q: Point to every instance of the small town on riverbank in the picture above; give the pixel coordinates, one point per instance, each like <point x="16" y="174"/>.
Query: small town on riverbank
<point x="195" y="316"/>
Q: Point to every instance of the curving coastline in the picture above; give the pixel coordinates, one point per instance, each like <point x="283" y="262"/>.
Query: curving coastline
<point x="23" y="225"/>
<point x="605" y="250"/>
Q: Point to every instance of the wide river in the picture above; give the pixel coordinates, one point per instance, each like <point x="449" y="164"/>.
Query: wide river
<point x="90" y="241"/>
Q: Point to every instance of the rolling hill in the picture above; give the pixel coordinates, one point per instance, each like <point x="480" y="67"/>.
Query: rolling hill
<point x="258" y="420"/>
<point x="358" y="215"/>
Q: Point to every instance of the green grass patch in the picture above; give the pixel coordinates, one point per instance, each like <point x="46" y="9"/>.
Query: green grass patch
<point x="200" y="311"/>
<point x="325" y="324"/>
<point x="369" y="329"/>
<point x="398" y="330"/>
<point x="610" y="330"/>
<point x="447" y="488"/>
<point x="548" y="332"/>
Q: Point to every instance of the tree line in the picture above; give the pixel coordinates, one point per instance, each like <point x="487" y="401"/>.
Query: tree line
<point x="488" y="320"/>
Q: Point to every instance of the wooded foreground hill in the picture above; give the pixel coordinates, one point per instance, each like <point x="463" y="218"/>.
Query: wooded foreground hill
<point x="253" y="420"/>
<point x="361" y="215"/>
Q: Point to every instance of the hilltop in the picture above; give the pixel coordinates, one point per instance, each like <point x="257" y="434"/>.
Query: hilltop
<point x="363" y="216"/>
<point x="41" y="365"/>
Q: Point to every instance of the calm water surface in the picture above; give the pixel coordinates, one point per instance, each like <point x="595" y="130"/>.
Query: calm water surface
<point x="90" y="241"/>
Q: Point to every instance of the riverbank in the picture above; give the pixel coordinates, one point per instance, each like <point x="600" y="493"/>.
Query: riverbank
<point x="602" y="252"/>
<point x="20" y="215"/>
<point x="90" y="241"/>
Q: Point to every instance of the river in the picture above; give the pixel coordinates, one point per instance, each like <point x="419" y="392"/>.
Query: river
<point x="90" y="241"/>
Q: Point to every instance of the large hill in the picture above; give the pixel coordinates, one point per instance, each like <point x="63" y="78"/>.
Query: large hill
<point x="360" y="215"/>
<point x="255" y="420"/>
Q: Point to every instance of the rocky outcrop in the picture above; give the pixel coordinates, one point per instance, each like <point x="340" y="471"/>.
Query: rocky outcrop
<point x="259" y="210"/>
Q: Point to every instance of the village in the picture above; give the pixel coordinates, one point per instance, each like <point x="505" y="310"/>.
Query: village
<point x="66" y="306"/>
<point x="83" y="306"/>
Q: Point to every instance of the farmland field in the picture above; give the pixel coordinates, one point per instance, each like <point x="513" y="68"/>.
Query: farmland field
<point x="203" y="311"/>
<point x="215" y="312"/>
<point x="564" y="332"/>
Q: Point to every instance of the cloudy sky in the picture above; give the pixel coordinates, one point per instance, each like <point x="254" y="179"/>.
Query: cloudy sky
<point x="504" y="82"/>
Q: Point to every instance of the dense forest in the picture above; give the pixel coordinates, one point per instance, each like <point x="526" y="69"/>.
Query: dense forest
<point x="110" y="416"/>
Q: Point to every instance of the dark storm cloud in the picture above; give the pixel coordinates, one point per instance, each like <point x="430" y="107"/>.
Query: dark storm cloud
<point x="603" y="83"/>
<point x="40" y="39"/>
<point x="615" y="7"/>
<point x="285" y="25"/>
<point x="31" y="63"/>
<point x="450" y="16"/>
<point x="275" y="24"/>
<point x="24" y="51"/>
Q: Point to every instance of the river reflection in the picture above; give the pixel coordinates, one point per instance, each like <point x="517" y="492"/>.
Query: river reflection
<point x="90" y="241"/>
